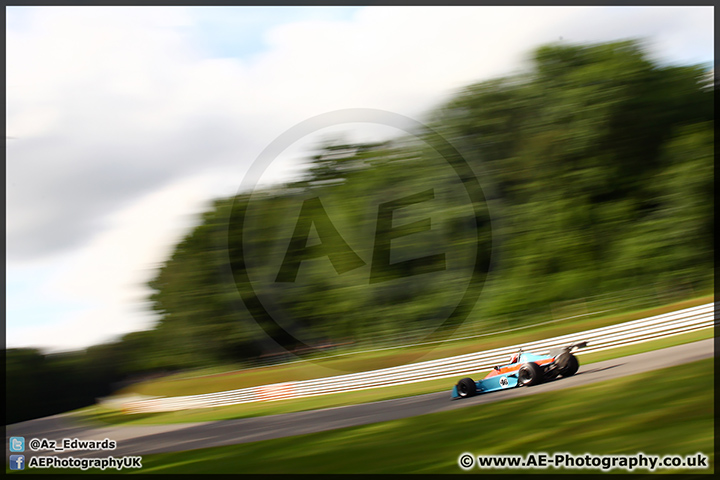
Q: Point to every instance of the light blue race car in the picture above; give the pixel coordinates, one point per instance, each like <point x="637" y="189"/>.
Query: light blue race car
<point x="524" y="369"/>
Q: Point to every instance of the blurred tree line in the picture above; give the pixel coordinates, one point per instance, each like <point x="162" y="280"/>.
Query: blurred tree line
<point x="597" y="169"/>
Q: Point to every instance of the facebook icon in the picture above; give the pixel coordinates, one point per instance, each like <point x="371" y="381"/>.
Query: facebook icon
<point x="17" y="462"/>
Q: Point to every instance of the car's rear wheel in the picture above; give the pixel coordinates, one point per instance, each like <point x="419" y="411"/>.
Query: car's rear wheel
<point x="529" y="374"/>
<point x="568" y="364"/>
<point x="466" y="387"/>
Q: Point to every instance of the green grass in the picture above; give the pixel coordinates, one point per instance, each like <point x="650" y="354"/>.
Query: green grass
<point x="180" y="384"/>
<point x="656" y="413"/>
<point x="102" y="415"/>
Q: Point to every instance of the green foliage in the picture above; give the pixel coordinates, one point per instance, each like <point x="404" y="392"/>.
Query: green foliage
<point x="597" y="167"/>
<point x="602" y="166"/>
<point x="40" y="385"/>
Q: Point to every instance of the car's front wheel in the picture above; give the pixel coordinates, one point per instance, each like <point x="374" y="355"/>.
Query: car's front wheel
<point x="466" y="387"/>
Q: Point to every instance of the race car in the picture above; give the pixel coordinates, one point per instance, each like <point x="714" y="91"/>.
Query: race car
<point x="524" y="369"/>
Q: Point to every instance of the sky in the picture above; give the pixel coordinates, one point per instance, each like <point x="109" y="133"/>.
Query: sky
<point x="123" y="123"/>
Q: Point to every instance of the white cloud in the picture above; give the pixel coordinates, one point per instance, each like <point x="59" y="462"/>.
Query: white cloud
<point x="107" y="277"/>
<point x="124" y="124"/>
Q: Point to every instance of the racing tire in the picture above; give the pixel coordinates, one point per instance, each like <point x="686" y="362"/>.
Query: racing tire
<point x="530" y="374"/>
<point x="568" y="364"/>
<point x="466" y="388"/>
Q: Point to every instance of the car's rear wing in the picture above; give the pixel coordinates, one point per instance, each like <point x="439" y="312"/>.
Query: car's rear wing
<point x="557" y="351"/>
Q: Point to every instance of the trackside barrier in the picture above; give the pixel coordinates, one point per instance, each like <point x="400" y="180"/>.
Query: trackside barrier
<point x="614" y="336"/>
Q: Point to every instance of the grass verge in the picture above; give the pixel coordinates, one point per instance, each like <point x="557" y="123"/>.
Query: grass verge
<point x="180" y="384"/>
<point x="102" y="415"/>
<point x="654" y="413"/>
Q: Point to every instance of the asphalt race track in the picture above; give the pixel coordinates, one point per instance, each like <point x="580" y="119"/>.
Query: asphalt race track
<point x="142" y="440"/>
